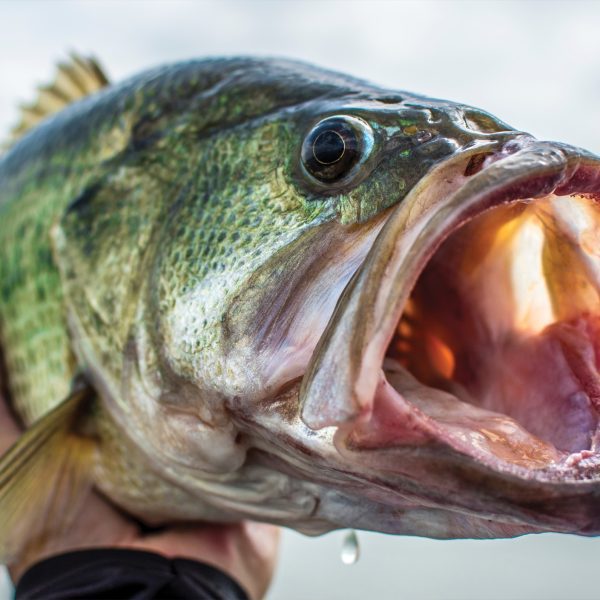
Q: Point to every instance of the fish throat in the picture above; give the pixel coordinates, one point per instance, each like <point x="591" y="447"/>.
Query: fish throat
<point x="501" y="330"/>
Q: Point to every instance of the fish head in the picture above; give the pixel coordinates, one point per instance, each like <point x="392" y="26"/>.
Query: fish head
<point x="260" y="246"/>
<point x="258" y="250"/>
<point x="375" y="310"/>
<point x="469" y="386"/>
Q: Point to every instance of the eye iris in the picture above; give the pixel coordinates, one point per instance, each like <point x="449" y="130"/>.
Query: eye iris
<point x="335" y="146"/>
<point x="329" y="147"/>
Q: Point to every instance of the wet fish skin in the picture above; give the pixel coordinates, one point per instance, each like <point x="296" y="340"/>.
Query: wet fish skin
<point x="162" y="239"/>
<point x="134" y="136"/>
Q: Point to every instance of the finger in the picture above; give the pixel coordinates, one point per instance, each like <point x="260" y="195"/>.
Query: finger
<point x="259" y="545"/>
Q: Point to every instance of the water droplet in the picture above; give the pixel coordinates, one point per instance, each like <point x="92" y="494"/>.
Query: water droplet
<point x="350" y="548"/>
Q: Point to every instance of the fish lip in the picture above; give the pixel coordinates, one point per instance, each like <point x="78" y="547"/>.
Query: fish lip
<point x="341" y="379"/>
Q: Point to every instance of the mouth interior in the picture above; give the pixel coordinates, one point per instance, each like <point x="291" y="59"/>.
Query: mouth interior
<point x="501" y="334"/>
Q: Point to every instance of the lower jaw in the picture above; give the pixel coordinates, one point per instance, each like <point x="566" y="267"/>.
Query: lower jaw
<point x="443" y="468"/>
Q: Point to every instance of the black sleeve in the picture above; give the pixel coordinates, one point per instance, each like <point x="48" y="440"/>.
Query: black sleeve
<point x="117" y="574"/>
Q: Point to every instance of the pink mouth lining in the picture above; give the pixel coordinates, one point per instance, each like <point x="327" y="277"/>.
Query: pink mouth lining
<point x="477" y="413"/>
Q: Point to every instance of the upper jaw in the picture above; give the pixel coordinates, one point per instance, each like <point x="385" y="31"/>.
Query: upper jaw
<point x="381" y="407"/>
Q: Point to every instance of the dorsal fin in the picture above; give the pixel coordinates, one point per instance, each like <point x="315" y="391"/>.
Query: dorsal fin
<point x="76" y="78"/>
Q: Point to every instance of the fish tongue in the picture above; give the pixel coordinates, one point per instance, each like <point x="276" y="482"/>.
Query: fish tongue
<point x="407" y="413"/>
<point x="528" y="401"/>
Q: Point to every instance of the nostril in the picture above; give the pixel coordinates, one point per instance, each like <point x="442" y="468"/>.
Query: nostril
<point x="476" y="163"/>
<point x="422" y="136"/>
<point x="438" y="147"/>
<point x="393" y="99"/>
<point x="482" y="122"/>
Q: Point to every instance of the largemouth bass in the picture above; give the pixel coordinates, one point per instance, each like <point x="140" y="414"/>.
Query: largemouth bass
<point x="251" y="288"/>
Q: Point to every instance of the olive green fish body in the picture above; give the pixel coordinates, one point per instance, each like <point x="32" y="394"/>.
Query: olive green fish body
<point x="287" y="293"/>
<point x="103" y="156"/>
<point x="89" y="195"/>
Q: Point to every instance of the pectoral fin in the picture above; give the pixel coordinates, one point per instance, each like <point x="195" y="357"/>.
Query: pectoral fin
<point x="44" y="478"/>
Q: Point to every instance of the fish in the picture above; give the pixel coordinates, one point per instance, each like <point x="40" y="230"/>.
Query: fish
<point x="251" y="288"/>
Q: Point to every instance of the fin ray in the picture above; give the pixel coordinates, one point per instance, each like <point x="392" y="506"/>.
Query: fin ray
<point x="43" y="479"/>
<point x="75" y="79"/>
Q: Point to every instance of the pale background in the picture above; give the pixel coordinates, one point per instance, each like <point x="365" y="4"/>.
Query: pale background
<point x="535" y="64"/>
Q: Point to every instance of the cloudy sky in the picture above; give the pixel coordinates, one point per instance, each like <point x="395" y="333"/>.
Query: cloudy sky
<point x="535" y="64"/>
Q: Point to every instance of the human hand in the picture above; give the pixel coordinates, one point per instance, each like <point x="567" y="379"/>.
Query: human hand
<point x="246" y="551"/>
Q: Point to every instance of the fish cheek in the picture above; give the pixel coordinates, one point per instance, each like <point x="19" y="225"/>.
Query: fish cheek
<point x="389" y="182"/>
<point x="285" y="307"/>
<point x="105" y="245"/>
<point x="102" y="244"/>
<point x="210" y="248"/>
<point x="99" y="245"/>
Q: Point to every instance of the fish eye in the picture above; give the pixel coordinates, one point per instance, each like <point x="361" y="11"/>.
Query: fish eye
<point x="334" y="147"/>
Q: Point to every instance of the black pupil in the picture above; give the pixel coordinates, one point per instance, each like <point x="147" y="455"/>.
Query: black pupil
<point x="332" y="148"/>
<point x="329" y="147"/>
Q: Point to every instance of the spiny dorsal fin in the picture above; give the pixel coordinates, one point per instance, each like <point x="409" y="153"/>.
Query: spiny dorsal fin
<point x="44" y="478"/>
<point x="75" y="79"/>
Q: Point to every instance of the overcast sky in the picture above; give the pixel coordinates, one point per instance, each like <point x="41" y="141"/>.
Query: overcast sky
<point x="534" y="64"/>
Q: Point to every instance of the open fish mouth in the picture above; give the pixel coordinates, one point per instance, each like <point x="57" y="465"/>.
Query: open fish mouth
<point x="502" y="329"/>
<point x="481" y="333"/>
<point x="496" y="348"/>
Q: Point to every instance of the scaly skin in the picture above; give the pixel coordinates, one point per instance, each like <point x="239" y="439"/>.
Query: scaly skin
<point x="161" y="239"/>
<point x="115" y="167"/>
<point x="51" y="169"/>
